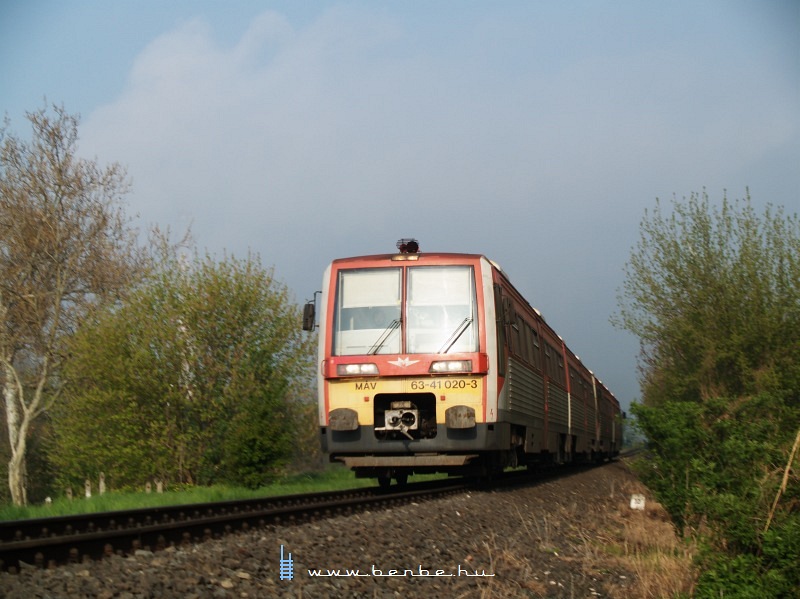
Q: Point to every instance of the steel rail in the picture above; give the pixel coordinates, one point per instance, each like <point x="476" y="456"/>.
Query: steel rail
<point x="53" y="541"/>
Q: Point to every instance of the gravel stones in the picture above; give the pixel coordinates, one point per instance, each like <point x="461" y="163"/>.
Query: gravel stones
<point x="534" y="541"/>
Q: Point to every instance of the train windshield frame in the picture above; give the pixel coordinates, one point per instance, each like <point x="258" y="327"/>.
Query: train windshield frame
<point x="441" y="310"/>
<point x="413" y="310"/>
<point x="368" y="311"/>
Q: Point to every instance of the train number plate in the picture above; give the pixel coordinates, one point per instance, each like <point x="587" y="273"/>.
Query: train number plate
<point x="438" y="384"/>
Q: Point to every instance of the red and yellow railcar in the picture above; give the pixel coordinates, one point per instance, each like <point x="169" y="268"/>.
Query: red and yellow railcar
<point x="435" y="363"/>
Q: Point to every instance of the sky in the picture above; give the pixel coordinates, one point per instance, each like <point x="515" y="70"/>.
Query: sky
<point x="534" y="132"/>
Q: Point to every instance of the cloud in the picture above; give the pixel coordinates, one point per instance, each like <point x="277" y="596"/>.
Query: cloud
<point x="251" y="129"/>
<point x="348" y="114"/>
<point x="534" y="139"/>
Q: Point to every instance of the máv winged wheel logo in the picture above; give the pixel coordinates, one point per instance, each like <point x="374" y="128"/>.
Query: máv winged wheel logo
<point x="403" y="362"/>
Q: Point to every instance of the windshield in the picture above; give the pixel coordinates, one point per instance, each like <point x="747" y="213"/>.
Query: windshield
<point x="440" y="315"/>
<point x="441" y="310"/>
<point x="368" y="312"/>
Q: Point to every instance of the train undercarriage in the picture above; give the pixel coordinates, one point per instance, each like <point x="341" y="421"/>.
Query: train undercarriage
<point x="385" y="466"/>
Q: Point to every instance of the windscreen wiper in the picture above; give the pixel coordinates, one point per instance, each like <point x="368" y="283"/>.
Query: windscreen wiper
<point x="451" y="341"/>
<point x="384" y="337"/>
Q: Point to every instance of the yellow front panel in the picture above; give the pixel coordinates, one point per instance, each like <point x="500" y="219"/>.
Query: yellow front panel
<point x="359" y="394"/>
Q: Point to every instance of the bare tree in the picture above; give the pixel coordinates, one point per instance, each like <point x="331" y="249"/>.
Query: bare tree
<point x="65" y="248"/>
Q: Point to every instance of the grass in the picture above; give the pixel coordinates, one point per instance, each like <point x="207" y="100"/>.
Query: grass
<point x="627" y="553"/>
<point x="643" y="543"/>
<point x="331" y="479"/>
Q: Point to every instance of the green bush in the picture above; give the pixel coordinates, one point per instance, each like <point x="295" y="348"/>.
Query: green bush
<point x="717" y="467"/>
<point x="259" y="441"/>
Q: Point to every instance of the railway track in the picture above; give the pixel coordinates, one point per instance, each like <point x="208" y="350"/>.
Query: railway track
<point x="49" y="542"/>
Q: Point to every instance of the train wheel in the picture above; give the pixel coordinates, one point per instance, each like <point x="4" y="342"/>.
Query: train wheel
<point x="401" y="478"/>
<point x="384" y="482"/>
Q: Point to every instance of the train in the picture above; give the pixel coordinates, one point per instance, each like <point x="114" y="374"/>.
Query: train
<point x="434" y="362"/>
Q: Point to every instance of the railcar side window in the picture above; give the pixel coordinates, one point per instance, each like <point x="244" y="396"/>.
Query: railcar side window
<point x="518" y="334"/>
<point x="537" y="354"/>
<point x="441" y="310"/>
<point x="554" y="364"/>
<point x="367" y="312"/>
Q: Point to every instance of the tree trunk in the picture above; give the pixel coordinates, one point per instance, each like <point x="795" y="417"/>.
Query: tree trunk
<point x="16" y="441"/>
<point x="16" y="479"/>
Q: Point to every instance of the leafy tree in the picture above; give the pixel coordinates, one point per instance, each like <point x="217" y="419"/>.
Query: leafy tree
<point x="194" y="379"/>
<point x="714" y="295"/>
<point x="65" y="250"/>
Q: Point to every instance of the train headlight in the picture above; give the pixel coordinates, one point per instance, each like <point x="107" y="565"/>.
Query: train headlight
<point x="450" y="366"/>
<point x="356" y="369"/>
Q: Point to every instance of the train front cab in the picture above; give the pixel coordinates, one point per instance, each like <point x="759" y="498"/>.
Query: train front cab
<point x="406" y="381"/>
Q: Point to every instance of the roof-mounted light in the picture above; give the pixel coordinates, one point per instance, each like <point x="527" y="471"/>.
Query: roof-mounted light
<point x="408" y="250"/>
<point x="408" y="246"/>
